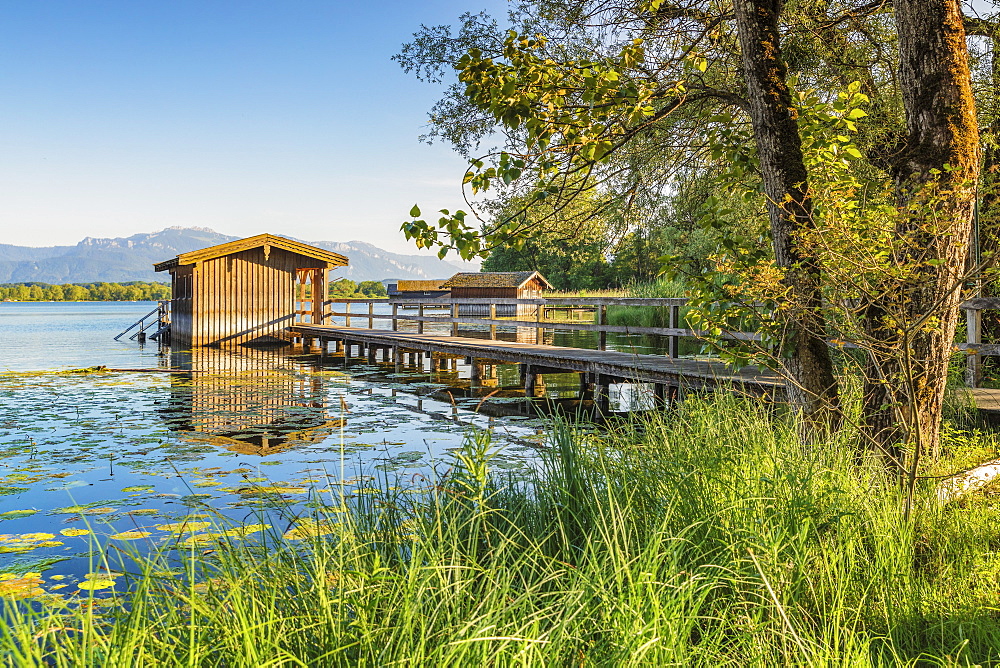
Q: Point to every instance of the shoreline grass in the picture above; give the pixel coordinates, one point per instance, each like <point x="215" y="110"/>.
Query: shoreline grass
<point x="703" y="537"/>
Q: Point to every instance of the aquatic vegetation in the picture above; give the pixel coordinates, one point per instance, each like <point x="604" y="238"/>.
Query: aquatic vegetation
<point x="309" y="527"/>
<point x="27" y="586"/>
<point x="95" y="583"/>
<point x="130" y="535"/>
<point x="83" y="510"/>
<point x="26" y="542"/>
<point x="183" y="527"/>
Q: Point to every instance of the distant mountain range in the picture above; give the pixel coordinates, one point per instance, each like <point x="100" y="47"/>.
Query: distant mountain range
<point x="131" y="259"/>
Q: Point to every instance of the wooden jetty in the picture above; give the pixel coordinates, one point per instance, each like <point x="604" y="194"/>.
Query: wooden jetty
<point x="598" y="368"/>
<point x="403" y="333"/>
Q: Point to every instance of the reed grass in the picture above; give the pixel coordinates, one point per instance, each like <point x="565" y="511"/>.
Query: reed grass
<point x="647" y="316"/>
<point x="704" y="537"/>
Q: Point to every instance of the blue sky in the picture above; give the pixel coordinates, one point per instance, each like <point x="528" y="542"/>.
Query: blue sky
<point x="246" y="117"/>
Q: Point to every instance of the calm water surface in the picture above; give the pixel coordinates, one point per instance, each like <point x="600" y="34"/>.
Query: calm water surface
<point x="154" y="460"/>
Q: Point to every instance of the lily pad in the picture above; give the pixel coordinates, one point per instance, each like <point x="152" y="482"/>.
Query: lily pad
<point x="182" y="527"/>
<point x="92" y="585"/>
<point x="131" y="535"/>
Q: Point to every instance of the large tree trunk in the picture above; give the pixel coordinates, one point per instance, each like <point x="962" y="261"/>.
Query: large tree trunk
<point x="989" y="200"/>
<point x="812" y="387"/>
<point x="935" y="181"/>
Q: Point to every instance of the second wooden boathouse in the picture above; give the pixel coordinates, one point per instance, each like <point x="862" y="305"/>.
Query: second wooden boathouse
<point x="246" y="291"/>
<point x="497" y="285"/>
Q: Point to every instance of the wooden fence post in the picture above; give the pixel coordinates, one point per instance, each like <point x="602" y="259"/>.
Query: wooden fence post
<point x="420" y="314"/>
<point x="371" y="312"/>
<point x="395" y="313"/>
<point x="974" y="337"/>
<point x="454" y="315"/>
<point x="347" y="312"/>
<point x="539" y="318"/>
<point x="493" y="325"/>
<point x="602" y="320"/>
<point x="674" y="344"/>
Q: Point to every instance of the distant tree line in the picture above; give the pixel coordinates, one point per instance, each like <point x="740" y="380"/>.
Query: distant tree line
<point x="132" y="291"/>
<point x="345" y="287"/>
<point x="138" y="291"/>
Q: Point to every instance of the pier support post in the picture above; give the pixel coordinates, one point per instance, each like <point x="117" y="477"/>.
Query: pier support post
<point x="397" y="359"/>
<point x="475" y="373"/>
<point x="371" y="355"/>
<point x="602" y="395"/>
<point x="659" y="396"/>
<point x="529" y="379"/>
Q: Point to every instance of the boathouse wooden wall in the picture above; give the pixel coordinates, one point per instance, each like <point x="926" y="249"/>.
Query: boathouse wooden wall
<point x="181" y="303"/>
<point x="529" y="291"/>
<point x="238" y="298"/>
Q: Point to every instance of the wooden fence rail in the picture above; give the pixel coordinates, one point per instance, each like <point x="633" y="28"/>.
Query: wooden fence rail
<point x="402" y="310"/>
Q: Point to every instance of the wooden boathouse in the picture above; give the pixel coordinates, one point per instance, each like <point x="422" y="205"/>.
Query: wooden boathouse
<point x="247" y="291"/>
<point x="504" y="285"/>
<point x="416" y="289"/>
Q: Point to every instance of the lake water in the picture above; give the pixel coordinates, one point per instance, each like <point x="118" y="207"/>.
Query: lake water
<point x="153" y="460"/>
<point x="241" y="436"/>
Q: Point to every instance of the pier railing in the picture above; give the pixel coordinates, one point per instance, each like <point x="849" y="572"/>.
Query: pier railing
<point x="538" y="314"/>
<point x="591" y="314"/>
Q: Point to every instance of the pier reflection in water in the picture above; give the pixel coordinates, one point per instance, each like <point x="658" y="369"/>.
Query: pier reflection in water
<point x="250" y="401"/>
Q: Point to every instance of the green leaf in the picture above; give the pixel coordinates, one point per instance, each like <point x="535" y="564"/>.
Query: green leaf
<point x="415" y="211"/>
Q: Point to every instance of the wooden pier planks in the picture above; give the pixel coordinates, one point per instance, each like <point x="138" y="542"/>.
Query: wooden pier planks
<point x="617" y="365"/>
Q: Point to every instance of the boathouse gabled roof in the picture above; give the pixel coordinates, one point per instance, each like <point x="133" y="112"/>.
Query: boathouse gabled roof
<point x="494" y="279"/>
<point x="268" y="241"/>
<point x="420" y="285"/>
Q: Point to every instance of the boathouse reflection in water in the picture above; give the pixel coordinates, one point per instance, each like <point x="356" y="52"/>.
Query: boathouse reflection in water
<point x="251" y="401"/>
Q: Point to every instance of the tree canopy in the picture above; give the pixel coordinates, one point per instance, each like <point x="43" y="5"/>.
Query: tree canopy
<point x="830" y="150"/>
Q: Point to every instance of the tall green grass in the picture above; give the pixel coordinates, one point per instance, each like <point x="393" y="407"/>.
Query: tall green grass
<point x="647" y="316"/>
<point x="703" y="537"/>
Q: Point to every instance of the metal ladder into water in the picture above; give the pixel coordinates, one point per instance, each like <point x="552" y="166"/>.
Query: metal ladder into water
<point x="161" y="320"/>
